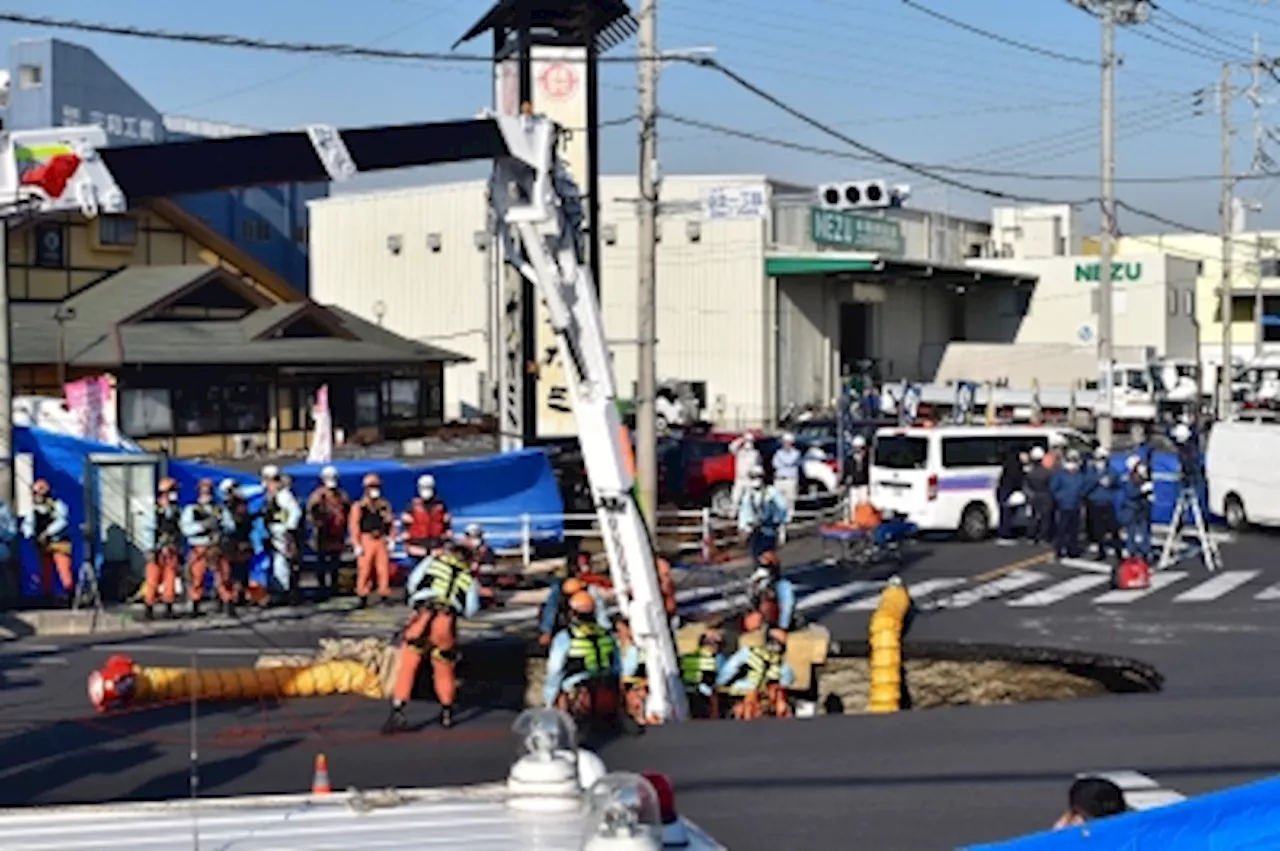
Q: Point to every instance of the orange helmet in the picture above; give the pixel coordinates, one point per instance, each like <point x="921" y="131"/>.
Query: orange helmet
<point x="582" y="603"/>
<point x="166" y="485"/>
<point x="40" y="486"/>
<point x="372" y="480"/>
<point x="572" y="586"/>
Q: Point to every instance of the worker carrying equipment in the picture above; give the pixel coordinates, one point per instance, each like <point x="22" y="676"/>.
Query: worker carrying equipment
<point x="583" y="665"/>
<point x="371" y="524"/>
<point x="699" y="671"/>
<point x="440" y="588"/>
<point x="161" y="538"/>
<point x="47" y="526"/>
<point x="759" y="676"/>
<point x="426" y="522"/>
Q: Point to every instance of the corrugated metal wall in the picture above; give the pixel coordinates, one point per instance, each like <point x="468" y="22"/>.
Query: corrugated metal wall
<point x="712" y="306"/>
<point x="808" y="327"/>
<point x="439" y="297"/>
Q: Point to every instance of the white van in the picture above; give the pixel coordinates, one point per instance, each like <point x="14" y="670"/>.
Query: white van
<point x="944" y="478"/>
<point x="1244" y="487"/>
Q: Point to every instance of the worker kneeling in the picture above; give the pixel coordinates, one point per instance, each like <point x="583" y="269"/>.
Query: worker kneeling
<point x="699" y="671"/>
<point x="440" y="588"/>
<point x="773" y="597"/>
<point x="759" y="677"/>
<point x="584" y="665"/>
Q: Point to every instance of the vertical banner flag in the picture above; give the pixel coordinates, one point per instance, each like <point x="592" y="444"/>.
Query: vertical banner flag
<point x="321" y="451"/>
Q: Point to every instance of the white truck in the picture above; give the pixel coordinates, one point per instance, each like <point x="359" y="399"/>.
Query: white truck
<point x="556" y="798"/>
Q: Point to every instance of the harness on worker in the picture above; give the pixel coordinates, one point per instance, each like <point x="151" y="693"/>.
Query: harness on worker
<point x="203" y="514"/>
<point x="698" y="669"/>
<point x="591" y="650"/>
<point x="275" y="512"/>
<point x="241" y="534"/>
<point x="168" y="529"/>
<point x="43" y="516"/>
<point x="373" y="517"/>
<point x="448" y="578"/>
<point x="763" y="668"/>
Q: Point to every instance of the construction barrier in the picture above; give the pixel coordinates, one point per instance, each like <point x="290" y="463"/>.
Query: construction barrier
<point x="887" y="625"/>
<point x="120" y="683"/>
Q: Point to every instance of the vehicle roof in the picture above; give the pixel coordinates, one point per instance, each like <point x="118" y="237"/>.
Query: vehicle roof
<point x="475" y="818"/>
<point x="973" y="430"/>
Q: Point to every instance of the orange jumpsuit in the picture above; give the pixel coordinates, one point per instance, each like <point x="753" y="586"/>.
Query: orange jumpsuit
<point x="162" y="568"/>
<point x="434" y="623"/>
<point x="55" y="556"/>
<point x="371" y="526"/>
<point x="204" y="557"/>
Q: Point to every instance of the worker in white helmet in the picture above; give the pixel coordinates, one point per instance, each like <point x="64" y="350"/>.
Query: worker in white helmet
<point x="328" y="511"/>
<point x="1135" y="508"/>
<point x="283" y="516"/>
<point x="426" y="523"/>
<point x="786" y="473"/>
<point x="858" y="470"/>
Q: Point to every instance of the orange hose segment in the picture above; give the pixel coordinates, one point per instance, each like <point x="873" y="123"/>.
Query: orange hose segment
<point x="320" y="680"/>
<point x="628" y="451"/>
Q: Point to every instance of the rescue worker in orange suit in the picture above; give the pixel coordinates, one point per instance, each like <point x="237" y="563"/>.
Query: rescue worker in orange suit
<point x="426" y="522"/>
<point x="328" y="509"/>
<point x="237" y="542"/>
<point x="48" y="526"/>
<point x="667" y="588"/>
<point x="582" y="656"/>
<point x="162" y="539"/>
<point x="760" y="677"/>
<point x="555" y="614"/>
<point x="440" y="589"/>
<point x="371" y="524"/>
<point x="202" y="526"/>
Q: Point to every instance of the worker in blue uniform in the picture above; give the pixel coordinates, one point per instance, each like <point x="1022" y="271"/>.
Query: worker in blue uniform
<point x="759" y="676"/>
<point x="762" y="512"/>
<point x="1135" y="509"/>
<point x="1068" y="490"/>
<point x="583" y="654"/>
<point x="1101" y="492"/>
<point x="555" y="611"/>
<point x="699" y="671"/>
<point x="771" y="596"/>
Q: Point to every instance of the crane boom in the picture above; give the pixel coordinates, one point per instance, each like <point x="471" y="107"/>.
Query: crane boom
<point x="539" y="207"/>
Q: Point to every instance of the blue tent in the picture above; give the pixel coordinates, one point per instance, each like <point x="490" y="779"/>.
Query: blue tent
<point x="1164" y="469"/>
<point x="1246" y="818"/>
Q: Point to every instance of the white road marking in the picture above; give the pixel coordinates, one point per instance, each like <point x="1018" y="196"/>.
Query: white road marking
<point x="1012" y="582"/>
<point x="1272" y="593"/>
<point x="1220" y="585"/>
<point x="837" y="592"/>
<point x="1159" y="579"/>
<point x="1086" y="564"/>
<point x="1061" y="591"/>
<point x="917" y="591"/>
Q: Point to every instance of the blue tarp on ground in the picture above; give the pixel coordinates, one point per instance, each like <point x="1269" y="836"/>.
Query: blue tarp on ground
<point x="496" y="490"/>
<point x="1246" y="818"/>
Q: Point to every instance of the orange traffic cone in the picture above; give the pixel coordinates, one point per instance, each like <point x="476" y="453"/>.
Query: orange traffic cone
<point x="320" y="778"/>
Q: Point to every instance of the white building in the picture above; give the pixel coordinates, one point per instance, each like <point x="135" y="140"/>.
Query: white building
<point x="761" y="295"/>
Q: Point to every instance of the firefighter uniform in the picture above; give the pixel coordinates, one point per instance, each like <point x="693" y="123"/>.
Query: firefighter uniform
<point x="237" y="544"/>
<point x="756" y="673"/>
<point x="163" y="540"/>
<point x="47" y="525"/>
<point x="582" y="653"/>
<point x="699" y="671"/>
<point x="371" y="524"/>
<point x="328" y="509"/>
<point x="426" y="521"/>
<point x="202" y="525"/>
<point x="440" y="588"/>
<point x="282" y="516"/>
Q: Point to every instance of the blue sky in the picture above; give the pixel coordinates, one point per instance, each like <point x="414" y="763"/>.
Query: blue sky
<point x="879" y="70"/>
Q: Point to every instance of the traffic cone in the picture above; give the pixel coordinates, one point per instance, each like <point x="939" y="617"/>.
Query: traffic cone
<point x="320" y="778"/>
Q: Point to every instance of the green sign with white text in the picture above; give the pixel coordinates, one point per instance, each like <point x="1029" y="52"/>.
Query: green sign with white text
<point x="851" y="232"/>
<point x="1119" y="272"/>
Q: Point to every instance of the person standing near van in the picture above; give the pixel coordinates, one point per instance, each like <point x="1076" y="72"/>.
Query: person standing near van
<point x="1036" y="484"/>
<point x="1068" y="488"/>
<point x="1010" y="483"/>
<point x="746" y="457"/>
<point x="1135" y="509"/>
<point x="1100" y="506"/>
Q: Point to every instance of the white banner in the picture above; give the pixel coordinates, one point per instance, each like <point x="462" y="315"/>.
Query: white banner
<point x="322" y="434"/>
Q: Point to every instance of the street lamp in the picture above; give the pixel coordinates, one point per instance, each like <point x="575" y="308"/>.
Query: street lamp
<point x="63" y="314"/>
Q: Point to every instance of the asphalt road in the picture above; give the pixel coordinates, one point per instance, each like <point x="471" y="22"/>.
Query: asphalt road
<point x="926" y="780"/>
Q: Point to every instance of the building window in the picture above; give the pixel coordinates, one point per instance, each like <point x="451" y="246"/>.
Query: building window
<point x="368" y="407"/>
<point x="1241" y="309"/>
<point x="237" y="408"/>
<point x="117" y="232"/>
<point x="403" y="397"/>
<point x="1270" y="267"/>
<point x="255" y="230"/>
<point x="146" y="412"/>
<point x="244" y="408"/>
<point x="30" y="76"/>
<point x="51" y="245"/>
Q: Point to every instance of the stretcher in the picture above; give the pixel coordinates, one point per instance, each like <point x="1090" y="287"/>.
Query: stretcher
<point x="862" y="547"/>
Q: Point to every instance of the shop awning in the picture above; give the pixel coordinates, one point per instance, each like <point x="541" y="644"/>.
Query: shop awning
<point x="782" y="264"/>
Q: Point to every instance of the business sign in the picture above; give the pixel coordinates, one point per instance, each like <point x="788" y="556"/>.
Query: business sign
<point x="851" y="232"/>
<point x="729" y="203"/>
<point x="119" y="126"/>
<point x="1120" y="271"/>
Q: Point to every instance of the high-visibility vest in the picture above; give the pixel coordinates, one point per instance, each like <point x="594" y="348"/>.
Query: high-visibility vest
<point x="449" y="579"/>
<point x="763" y="668"/>
<point x="697" y="668"/>
<point x="591" y="649"/>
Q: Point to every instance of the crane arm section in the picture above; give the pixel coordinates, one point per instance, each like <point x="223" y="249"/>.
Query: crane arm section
<point x="539" y="210"/>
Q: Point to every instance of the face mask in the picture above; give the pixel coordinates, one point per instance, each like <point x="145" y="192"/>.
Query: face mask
<point x="331" y="485"/>
<point x="757" y="483"/>
<point x="206" y="498"/>
<point x="374" y="493"/>
<point x="426" y="493"/>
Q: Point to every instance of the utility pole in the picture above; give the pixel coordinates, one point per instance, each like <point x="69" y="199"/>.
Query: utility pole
<point x="7" y="454"/>
<point x="1112" y="13"/>
<point x="1258" y="164"/>
<point x="646" y="296"/>
<point x="1224" y="292"/>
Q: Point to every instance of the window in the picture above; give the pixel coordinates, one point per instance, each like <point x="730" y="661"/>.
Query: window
<point x="255" y="230"/>
<point x="368" y="407"/>
<point x="900" y="453"/>
<point x="961" y="452"/>
<point x="1241" y="309"/>
<point x="244" y="408"/>
<point x="402" y="397"/>
<point x="146" y="412"/>
<point x="30" y="76"/>
<point x="1189" y="302"/>
<point x="197" y="410"/>
<point x="117" y="232"/>
<point x="1011" y="445"/>
<point x="1015" y="304"/>
<point x="1270" y="267"/>
<point x="235" y="408"/>
<point x="1079" y="444"/>
<point x="1173" y="302"/>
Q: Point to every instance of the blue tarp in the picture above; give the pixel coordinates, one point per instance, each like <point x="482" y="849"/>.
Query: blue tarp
<point x="1246" y="818"/>
<point x="1164" y="468"/>
<point x="497" y="490"/>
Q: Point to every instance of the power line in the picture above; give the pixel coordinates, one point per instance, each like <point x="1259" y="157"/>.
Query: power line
<point x="939" y="167"/>
<point x="1192" y="25"/>
<point x="1005" y="40"/>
